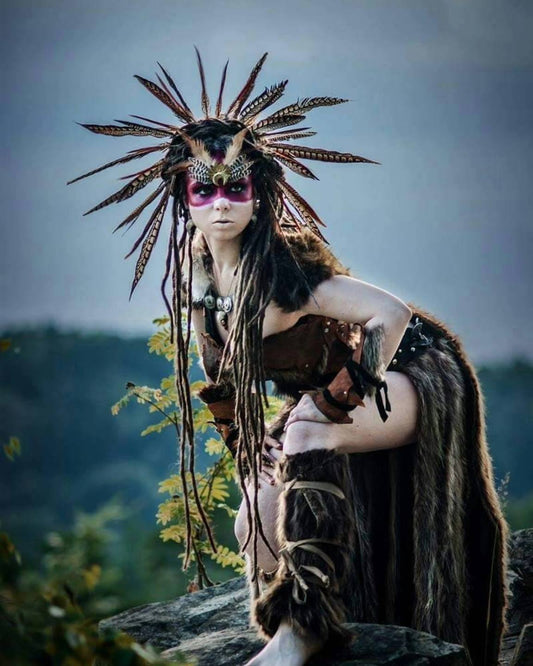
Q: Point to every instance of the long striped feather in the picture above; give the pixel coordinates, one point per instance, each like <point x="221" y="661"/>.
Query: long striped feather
<point x="218" y="107"/>
<point x="132" y="217"/>
<point x="289" y="135"/>
<point x="171" y="83"/>
<point x="206" y="106"/>
<point x="152" y="220"/>
<point x="150" y="241"/>
<point x="303" y="152"/>
<point x="305" y="211"/>
<point x="268" y="124"/>
<point x="294" y="165"/>
<point x="237" y="104"/>
<point x="161" y="95"/>
<point x="178" y="109"/>
<point x="143" y="178"/>
<point x="262" y="102"/>
<point x="129" y="129"/>
<point x="132" y="155"/>
<point x="309" y="103"/>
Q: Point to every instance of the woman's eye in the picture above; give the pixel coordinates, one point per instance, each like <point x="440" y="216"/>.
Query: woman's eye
<point x="237" y="188"/>
<point x="203" y="190"/>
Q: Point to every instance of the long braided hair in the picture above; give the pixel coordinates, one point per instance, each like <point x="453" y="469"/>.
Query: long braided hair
<point x="242" y="361"/>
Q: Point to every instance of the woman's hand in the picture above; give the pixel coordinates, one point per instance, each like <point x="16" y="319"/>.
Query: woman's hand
<point x="306" y="410"/>
<point x="272" y="452"/>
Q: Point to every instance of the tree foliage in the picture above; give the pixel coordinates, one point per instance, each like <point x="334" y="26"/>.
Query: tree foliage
<point x="216" y="484"/>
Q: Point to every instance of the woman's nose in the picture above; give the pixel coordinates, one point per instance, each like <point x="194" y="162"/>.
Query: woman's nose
<point x="221" y="204"/>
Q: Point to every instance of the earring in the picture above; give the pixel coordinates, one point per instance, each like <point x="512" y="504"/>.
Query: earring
<point x="189" y="225"/>
<point x="257" y="203"/>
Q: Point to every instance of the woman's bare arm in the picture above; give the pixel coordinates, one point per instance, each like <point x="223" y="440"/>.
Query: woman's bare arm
<point x="347" y="299"/>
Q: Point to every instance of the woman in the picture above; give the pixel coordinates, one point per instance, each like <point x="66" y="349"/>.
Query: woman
<point x="384" y="502"/>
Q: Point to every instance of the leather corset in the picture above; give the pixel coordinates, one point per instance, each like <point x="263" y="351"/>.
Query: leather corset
<point x="306" y="356"/>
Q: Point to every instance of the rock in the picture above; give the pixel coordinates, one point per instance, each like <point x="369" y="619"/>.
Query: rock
<point x="374" y="645"/>
<point x="213" y="626"/>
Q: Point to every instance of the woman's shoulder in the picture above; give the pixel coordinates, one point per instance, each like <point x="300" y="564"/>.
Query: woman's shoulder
<point x="303" y="261"/>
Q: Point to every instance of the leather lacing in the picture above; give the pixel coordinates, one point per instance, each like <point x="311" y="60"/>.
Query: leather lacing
<point x="300" y="586"/>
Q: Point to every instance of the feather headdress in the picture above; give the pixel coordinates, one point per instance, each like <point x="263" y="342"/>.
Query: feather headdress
<point x="265" y="139"/>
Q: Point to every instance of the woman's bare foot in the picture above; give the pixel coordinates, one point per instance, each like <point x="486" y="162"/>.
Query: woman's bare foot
<point x="286" y="648"/>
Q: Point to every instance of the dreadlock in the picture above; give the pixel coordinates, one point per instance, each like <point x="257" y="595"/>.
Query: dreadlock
<point x="242" y="361"/>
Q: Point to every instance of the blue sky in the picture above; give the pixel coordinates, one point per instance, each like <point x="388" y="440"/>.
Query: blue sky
<point x="441" y="95"/>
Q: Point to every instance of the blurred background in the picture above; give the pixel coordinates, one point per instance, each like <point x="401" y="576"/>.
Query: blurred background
<point x="440" y="94"/>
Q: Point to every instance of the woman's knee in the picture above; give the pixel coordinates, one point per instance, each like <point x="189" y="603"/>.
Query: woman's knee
<point x="302" y="436"/>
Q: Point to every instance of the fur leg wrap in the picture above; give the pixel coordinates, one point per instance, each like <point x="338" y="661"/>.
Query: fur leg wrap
<point x="316" y="529"/>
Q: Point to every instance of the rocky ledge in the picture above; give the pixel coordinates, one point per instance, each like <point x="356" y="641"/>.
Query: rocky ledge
<point x="212" y="626"/>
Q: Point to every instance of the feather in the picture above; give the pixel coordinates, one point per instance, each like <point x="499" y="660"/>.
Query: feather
<point x="218" y="107"/>
<point x="271" y="123"/>
<point x="234" y="148"/>
<point x="294" y="165"/>
<point x="141" y="180"/>
<point x="131" y="129"/>
<point x="235" y="107"/>
<point x="132" y="217"/>
<point x="162" y="96"/>
<point x="206" y="106"/>
<point x="309" y="103"/>
<point x="156" y="219"/>
<point x="320" y="154"/>
<point x="178" y="109"/>
<point x="288" y="135"/>
<point x="262" y="101"/>
<point x="304" y="210"/>
<point x="132" y="155"/>
<point x="170" y="128"/>
<point x="171" y="83"/>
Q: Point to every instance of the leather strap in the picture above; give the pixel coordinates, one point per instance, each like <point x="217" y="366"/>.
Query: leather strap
<point x="316" y="485"/>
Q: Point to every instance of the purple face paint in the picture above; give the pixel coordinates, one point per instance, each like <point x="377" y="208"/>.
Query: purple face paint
<point x="200" y="194"/>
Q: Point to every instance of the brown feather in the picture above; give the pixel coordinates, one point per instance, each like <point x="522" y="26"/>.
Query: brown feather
<point x="272" y="123"/>
<point x="132" y="155"/>
<point x="171" y="128"/>
<point x="237" y="104"/>
<point x="304" y="210"/>
<point x="142" y="179"/>
<point x="178" y="109"/>
<point x="289" y="135"/>
<point x="162" y="96"/>
<point x="132" y="217"/>
<point x="262" y="101"/>
<point x="155" y="219"/>
<point x="177" y="92"/>
<point x="206" y="106"/>
<point x="148" y="245"/>
<point x="310" y="103"/>
<point x="218" y="107"/>
<point x="320" y="154"/>
<point x="294" y="165"/>
<point x="130" y="129"/>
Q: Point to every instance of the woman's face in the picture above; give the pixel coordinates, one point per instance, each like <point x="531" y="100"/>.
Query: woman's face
<point x="221" y="212"/>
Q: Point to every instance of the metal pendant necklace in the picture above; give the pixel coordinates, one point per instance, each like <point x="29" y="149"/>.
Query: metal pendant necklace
<point x="222" y="304"/>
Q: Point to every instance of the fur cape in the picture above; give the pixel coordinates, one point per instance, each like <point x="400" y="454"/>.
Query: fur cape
<point x="430" y="542"/>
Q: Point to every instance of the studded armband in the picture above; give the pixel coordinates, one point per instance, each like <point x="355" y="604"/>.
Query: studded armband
<point x="361" y="375"/>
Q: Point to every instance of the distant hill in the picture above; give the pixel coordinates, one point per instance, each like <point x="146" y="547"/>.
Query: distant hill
<point x="56" y="390"/>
